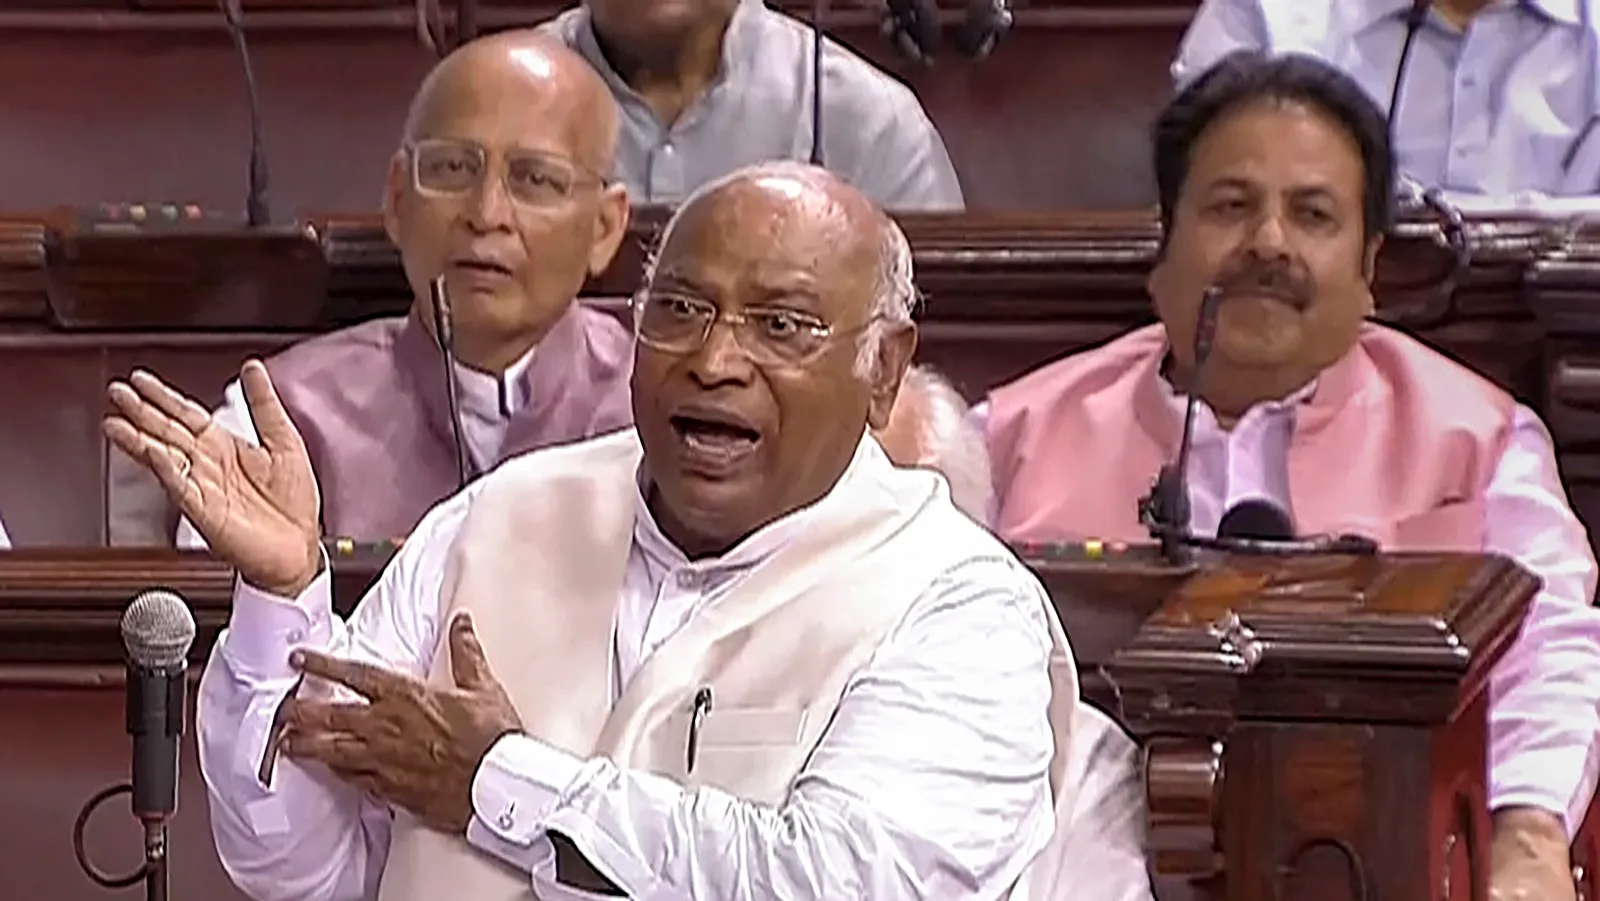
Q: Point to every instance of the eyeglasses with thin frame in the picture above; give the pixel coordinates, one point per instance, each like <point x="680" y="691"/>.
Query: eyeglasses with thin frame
<point x="452" y="168"/>
<point x="677" y="323"/>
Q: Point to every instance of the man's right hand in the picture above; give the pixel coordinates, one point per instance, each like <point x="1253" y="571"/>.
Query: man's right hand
<point x="256" y="507"/>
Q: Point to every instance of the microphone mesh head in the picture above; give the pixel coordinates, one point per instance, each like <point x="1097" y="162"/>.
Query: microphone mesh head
<point x="157" y="629"/>
<point x="1256" y="519"/>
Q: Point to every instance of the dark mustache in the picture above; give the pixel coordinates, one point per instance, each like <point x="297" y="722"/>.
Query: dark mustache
<point x="1282" y="280"/>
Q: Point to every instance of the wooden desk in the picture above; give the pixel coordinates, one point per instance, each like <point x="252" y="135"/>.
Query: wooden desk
<point x="1309" y="723"/>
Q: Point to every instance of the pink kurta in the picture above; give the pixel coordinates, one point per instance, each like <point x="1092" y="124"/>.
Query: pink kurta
<point x="1394" y="441"/>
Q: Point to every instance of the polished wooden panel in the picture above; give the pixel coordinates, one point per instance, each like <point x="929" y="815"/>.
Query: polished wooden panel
<point x="104" y="102"/>
<point x="1333" y="710"/>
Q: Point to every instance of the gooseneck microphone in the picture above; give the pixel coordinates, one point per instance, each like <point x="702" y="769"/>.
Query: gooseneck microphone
<point x="1415" y="17"/>
<point x="444" y="330"/>
<point x="1432" y="199"/>
<point x="1165" y="510"/>
<point x="1249" y="527"/>
<point x="157" y="632"/>
<point x="818" y="8"/>
<point x="255" y="208"/>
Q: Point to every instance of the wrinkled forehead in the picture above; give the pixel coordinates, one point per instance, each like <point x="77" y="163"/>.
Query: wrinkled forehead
<point x="771" y="234"/>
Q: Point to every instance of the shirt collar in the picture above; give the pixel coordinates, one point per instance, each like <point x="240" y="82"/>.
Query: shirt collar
<point x="494" y="396"/>
<point x="738" y="45"/>
<point x="767" y="540"/>
<point x="1300" y="396"/>
<point x="1375" y="11"/>
<point x="1563" y="11"/>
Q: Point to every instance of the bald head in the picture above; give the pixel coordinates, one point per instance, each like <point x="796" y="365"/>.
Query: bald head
<point x="521" y="74"/>
<point x="830" y="224"/>
<point x="780" y="198"/>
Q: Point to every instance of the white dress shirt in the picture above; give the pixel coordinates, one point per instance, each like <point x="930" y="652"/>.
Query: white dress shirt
<point x="931" y="782"/>
<point x="1545" y="713"/>
<point x="875" y="134"/>
<point x="5" y="540"/>
<point x="487" y="402"/>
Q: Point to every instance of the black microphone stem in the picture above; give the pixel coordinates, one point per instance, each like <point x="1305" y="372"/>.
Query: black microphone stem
<point x="443" y="324"/>
<point x="1205" y="334"/>
<point x="1414" y="20"/>
<point x="256" y="210"/>
<point x="818" y="8"/>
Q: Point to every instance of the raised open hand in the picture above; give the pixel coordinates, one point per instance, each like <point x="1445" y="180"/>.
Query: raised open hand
<point x="257" y="507"/>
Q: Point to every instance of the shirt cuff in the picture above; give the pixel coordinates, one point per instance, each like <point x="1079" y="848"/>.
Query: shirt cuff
<point x="519" y="784"/>
<point x="1542" y="779"/>
<point x="263" y="628"/>
<point x="538" y="860"/>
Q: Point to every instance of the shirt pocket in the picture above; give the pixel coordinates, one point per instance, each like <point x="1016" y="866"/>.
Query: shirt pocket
<point x="751" y="752"/>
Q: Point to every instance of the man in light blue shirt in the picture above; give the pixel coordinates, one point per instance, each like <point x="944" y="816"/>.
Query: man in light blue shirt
<point x="710" y="86"/>
<point x="1499" y="100"/>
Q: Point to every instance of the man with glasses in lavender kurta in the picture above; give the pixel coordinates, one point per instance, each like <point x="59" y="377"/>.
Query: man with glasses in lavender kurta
<point x="497" y="188"/>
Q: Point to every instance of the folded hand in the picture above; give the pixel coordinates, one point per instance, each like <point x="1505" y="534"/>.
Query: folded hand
<point x="412" y="745"/>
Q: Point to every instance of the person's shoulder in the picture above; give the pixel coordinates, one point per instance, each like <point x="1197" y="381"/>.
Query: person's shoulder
<point x="608" y="342"/>
<point x="564" y="26"/>
<point x="336" y="350"/>
<point x="347" y="370"/>
<point x="561" y="461"/>
<point x="958" y="551"/>
<point x="854" y="86"/>
<point x="1091" y="368"/>
<point x="1401" y="358"/>
<point x="851" y="82"/>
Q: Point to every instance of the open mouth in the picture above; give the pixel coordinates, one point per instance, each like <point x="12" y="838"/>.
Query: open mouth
<point x="714" y="444"/>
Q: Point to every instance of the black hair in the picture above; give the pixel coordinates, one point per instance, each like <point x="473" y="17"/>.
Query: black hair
<point x="1249" y="76"/>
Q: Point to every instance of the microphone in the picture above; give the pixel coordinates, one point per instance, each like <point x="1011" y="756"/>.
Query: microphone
<point x="913" y="26"/>
<point x="1256" y="519"/>
<point x="1249" y="527"/>
<point x="1415" y="17"/>
<point x="157" y="632"/>
<point x="443" y="325"/>
<point x="818" y="8"/>
<point x="987" y="22"/>
<point x="1165" y="510"/>
<point x="255" y="206"/>
<point x="1260" y="527"/>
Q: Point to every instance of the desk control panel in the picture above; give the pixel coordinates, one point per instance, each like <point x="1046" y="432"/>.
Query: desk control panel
<point x="156" y="216"/>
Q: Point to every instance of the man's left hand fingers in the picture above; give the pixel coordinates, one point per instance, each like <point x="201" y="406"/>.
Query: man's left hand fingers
<point x="371" y="682"/>
<point x="338" y="750"/>
<point x="468" y="665"/>
<point x="317" y="716"/>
